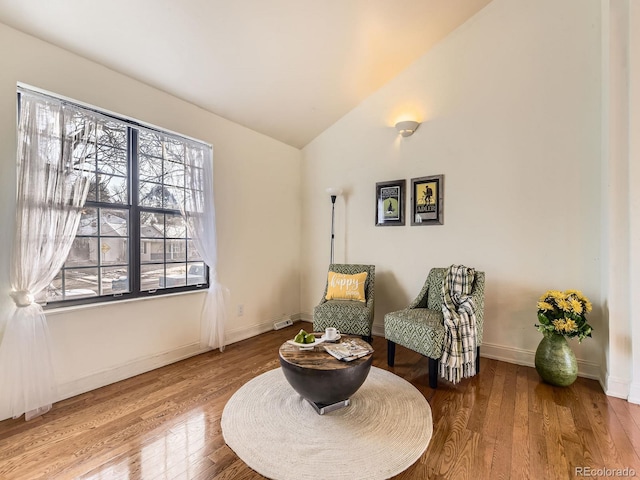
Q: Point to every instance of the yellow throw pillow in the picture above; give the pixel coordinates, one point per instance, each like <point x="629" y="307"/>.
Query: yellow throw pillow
<point x="341" y="286"/>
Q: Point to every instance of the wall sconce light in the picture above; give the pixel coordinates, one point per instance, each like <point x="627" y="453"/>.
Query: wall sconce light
<point x="407" y="127"/>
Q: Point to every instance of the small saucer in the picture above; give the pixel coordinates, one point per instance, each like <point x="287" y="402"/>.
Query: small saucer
<point x="331" y="341"/>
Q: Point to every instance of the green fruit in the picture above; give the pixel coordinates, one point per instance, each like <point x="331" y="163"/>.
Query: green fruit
<point x="309" y="338"/>
<point x="299" y="338"/>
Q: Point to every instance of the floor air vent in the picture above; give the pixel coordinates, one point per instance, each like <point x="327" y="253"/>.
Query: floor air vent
<point x="282" y="323"/>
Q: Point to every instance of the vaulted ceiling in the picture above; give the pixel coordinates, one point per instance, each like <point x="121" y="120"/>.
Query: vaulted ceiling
<point x="285" y="68"/>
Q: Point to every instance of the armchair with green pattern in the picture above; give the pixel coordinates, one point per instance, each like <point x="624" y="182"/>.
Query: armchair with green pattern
<point x="420" y="326"/>
<point x="348" y="316"/>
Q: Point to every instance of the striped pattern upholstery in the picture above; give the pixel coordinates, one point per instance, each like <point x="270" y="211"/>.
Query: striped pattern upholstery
<point x="420" y="327"/>
<point x="347" y="316"/>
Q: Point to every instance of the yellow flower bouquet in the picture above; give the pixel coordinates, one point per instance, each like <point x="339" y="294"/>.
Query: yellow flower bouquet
<point x="564" y="313"/>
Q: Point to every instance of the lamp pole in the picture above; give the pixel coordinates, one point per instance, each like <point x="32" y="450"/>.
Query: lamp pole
<point x="333" y="213"/>
<point x="334" y="193"/>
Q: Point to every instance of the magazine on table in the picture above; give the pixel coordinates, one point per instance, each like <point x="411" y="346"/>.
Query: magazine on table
<point x="348" y="350"/>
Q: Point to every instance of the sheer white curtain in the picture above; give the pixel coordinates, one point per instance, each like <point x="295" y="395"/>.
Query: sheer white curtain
<point x="200" y="217"/>
<point x="52" y="188"/>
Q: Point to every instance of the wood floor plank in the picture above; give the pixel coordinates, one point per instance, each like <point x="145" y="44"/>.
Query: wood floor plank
<point x="558" y="467"/>
<point x="501" y="464"/>
<point x="520" y="467"/>
<point x="493" y="417"/>
<point x="165" y="424"/>
<point x="624" y="412"/>
<point x="481" y="395"/>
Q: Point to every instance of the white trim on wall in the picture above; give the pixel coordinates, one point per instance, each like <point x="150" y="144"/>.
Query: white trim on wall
<point x="634" y="393"/>
<point x="616" y="386"/>
<point x="238" y="334"/>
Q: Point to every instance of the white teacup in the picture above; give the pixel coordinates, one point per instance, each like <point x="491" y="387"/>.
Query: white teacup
<point x="331" y="334"/>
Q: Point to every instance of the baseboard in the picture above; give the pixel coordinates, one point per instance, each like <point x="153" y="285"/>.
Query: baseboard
<point x="526" y="358"/>
<point x="612" y="386"/>
<point x="377" y="330"/>
<point x="238" y="334"/>
<point x="617" y="387"/>
<point x="297" y="317"/>
<point x="127" y="370"/>
<point x="634" y="393"/>
<point x="519" y="356"/>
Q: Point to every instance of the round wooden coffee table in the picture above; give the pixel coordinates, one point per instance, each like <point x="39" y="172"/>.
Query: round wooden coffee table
<point x="324" y="381"/>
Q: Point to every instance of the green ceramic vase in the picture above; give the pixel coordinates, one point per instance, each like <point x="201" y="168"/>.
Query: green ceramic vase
<point x="555" y="361"/>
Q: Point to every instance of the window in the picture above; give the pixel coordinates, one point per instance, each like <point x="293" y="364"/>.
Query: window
<point x="132" y="239"/>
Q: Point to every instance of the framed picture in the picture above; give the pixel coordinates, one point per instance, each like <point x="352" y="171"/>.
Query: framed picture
<point x="427" y="200"/>
<point x="390" y="199"/>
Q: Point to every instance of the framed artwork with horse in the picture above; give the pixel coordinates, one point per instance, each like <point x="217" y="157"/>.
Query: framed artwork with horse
<point x="427" y="200"/>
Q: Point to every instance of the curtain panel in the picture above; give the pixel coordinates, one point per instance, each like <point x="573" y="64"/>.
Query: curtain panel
<point x="200" y="217"/>
<point x="54" y="139"/>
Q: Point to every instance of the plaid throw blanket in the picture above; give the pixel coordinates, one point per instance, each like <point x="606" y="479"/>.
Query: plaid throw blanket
<point x="460" y="339"/>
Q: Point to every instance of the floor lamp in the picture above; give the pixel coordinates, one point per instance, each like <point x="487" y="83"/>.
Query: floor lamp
<point x="334" y="193"/>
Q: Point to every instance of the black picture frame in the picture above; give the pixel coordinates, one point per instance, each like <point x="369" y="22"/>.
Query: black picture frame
<point x="390" y="203"/>
<point x="427" y="200"/>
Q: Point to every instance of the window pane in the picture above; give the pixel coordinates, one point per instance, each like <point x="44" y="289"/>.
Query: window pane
<point x="150" y="195"/>
<point x="150" y="169"/>
<point x="173" y="197"/>
<point x="151" y="224"/>
<point x="176" y="275"/>
<point x="192" y="251"/>
<point x="92" y="196"/>
<point x="84" y="156"/>
<point x="80" y="283"/>
<point x="151" y="276"/>
<point x="114" y="251"/>
<point x="84" y="252"/>
<point x="113" y="134"/>
<point x="115" y="280"/>
<point x="196" y="274"/>
<point x="54" y="289"/>
<point x="151" y="250"/>
<point x="149" y="144"/>
<point x="174" y="150"/>
<point x="174" y="174"/>
<point x="114" y="222"/>
<point x="88" y="222"/>
<point x="112" y="161"/>
<point x="76" y="130"/>
<point x="176" y="251"/>
<point x="176" y="227"/>
<point x="113" y="189"/>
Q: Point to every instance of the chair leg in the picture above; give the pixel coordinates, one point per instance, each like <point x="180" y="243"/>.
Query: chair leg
<point x="477" y="360"/>
<point x="433" y="372"/>
<point x="391" y="353"/>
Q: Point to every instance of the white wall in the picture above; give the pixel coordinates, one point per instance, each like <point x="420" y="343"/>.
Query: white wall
<point x="634" y="180"/>
<point x="621" y="180"/>
<point x="511" y="109"/>
<point x="259" y="248"/>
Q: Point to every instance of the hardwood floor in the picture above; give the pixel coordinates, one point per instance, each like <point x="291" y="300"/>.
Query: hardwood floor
<point x="504" y="423"/>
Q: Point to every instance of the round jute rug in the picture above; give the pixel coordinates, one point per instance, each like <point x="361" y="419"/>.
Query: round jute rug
<point x="278" y="434"/>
